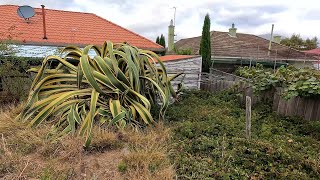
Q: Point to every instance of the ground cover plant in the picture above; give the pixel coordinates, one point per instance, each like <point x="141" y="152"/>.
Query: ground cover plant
<point x="209" y="141"/>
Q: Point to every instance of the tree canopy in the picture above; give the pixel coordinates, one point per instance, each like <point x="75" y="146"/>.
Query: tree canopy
<point x="297" y="42"/>
<point x="162" y="41"/>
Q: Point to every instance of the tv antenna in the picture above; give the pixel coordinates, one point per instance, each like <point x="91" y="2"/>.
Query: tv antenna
<point x="25" y="12"/>
<point x="174" y="16"/>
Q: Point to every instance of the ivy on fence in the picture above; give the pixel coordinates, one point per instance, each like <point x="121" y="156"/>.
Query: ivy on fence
<point x="304" y="82"/>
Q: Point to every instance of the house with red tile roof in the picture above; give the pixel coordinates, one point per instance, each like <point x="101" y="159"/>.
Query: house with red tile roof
<point x="63" y="28"/>
<point x="316" y="54"/>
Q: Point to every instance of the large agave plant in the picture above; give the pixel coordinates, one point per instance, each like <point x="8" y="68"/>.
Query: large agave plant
<point x="116" y="87"/>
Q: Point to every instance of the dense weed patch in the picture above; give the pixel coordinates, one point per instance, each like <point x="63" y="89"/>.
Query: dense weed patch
<point x="209" y="141"/>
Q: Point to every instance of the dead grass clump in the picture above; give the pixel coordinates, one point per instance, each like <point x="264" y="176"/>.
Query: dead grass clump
<point x="68" y="148"/>
<point x="17" y="136"/>
<point x="7" y="122"/>
<point x="104" y="140"/>
<point x="147" y="157"/>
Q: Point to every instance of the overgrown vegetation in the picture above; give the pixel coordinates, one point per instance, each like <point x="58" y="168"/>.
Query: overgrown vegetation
<point x="27" y="153"/>
<point x="116" y="87"/>
<point x="15" y="81"/>
<point x="304" y="82"/>
<point x="148" y="157"/>
<point x="209" y="141"/>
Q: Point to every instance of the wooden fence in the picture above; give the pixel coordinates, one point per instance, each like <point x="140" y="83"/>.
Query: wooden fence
<point x="306" y="108"/>
<point x="217" y="81"/>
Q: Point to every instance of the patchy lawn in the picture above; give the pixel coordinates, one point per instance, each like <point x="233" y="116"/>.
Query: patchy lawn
<point x="27" y="153"/>
<point x="209" y="141"/>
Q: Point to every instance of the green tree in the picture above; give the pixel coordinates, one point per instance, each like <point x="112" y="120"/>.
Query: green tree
<point x="162" y="41"/>
<point x="205" y="45"/>
<point x="296" y="42"/>
<point x="311" y="43"/>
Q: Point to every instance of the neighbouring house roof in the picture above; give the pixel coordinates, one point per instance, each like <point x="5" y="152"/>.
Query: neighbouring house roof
<point x="176" y="57"/>
<point x="241" y="46"/>
<point x="66" y="28"/>
<point x="313" y="51"/>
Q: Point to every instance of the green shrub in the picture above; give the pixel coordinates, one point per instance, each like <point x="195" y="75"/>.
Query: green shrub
<point x="184" y="51"/>
<point x="15" y="81"/>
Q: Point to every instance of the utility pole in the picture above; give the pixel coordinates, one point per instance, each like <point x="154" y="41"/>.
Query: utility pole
<point x="269" y="50"/>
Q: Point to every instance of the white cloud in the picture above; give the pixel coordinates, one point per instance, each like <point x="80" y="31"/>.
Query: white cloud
<point x="150" y="18"/>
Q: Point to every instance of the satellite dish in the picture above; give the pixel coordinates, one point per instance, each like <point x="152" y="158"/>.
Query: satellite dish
<point x="26" y="12"/>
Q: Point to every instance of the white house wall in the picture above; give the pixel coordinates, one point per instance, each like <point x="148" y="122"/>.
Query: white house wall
<point x="35" y="51"/>
<point x="39" y="51"/>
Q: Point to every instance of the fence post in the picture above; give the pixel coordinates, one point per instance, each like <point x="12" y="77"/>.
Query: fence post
<point x="211" y="80"/>
<point x="248" y="117"/>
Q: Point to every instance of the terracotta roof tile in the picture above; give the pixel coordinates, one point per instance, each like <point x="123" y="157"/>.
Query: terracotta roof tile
<point x="244" y="45"/>
<point x="66" y="28"/>
<point x="175" y="57"/>
<point x="313" y="51"/>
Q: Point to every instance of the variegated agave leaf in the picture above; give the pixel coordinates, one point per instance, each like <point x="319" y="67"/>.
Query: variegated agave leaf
<point x="117" y="86"/>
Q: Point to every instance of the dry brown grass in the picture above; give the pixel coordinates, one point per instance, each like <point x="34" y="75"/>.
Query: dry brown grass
<point x="27" y="153"/>
<point x="147" y="157"/>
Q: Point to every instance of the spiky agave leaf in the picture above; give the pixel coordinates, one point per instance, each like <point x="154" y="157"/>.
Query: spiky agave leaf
<point x="117" y="86"/>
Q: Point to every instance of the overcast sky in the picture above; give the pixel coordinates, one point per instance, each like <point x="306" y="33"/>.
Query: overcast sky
<point x="150" y="18"/>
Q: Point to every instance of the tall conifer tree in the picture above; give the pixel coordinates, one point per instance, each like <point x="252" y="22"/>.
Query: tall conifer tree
<point x="205" y="45"/>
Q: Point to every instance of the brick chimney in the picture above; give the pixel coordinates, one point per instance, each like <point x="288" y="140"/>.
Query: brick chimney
<point x="171" y="36"/>
<point x="44" y="23"/>
<point x="233" y="31"/>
